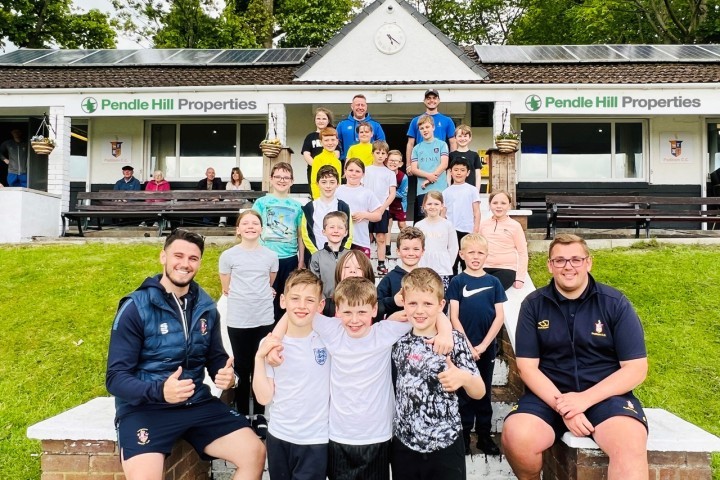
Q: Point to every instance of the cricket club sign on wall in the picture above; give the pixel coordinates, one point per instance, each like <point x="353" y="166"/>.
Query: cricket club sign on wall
<point x="675" y="148"/>
<point x="116" y="149"/>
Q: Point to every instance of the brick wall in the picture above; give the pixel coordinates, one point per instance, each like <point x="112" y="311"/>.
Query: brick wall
<point x="567" y="463"/>
<point x="100" y="460"/>
<point x="514" y="387"/>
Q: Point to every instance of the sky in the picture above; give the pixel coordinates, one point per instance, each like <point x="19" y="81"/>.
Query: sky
<point x="105" y="6"/>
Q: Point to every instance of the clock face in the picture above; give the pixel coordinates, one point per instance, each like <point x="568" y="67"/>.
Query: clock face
<point x="390" y="38"/>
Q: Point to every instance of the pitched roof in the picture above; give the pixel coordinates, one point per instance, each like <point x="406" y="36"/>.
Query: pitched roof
<point x="419" y="17"/>
<point x="118" y="76"/>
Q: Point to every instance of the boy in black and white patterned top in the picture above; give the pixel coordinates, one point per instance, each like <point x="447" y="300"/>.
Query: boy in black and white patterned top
<point x="428" y="443"/>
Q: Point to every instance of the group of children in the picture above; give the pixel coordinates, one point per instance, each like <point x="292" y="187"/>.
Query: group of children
<point x="334" y="411"/>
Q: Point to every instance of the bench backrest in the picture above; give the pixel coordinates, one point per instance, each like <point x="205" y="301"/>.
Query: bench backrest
<point x="169" y="196"/>
<point x="612" y="200"/>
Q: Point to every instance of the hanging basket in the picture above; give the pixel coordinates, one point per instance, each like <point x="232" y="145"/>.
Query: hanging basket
<point x="270" y="150"/>
<point x="42" y="148"/>
<point x="507" y="145"/>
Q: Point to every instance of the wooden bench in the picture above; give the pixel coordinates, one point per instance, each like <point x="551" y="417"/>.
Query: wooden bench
<point x="162" y="207"/>
<point x="637" y="211"/>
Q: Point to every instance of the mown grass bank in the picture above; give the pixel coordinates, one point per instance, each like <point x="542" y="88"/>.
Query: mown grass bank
<point x="57" y="305"/>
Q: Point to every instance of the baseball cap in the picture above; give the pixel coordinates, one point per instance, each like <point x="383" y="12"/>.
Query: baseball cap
<point x="432" y="91"/>
<point x="128" y="167"/>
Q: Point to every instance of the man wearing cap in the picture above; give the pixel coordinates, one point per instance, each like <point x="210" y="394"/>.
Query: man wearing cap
<point x="128" y="182"/>
<point x="444" y="126"/>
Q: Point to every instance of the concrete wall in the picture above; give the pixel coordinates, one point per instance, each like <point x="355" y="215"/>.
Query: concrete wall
<point x="28" y="213"/>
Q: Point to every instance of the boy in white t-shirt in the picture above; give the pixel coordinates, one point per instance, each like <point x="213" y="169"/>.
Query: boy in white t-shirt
<point x="383" y="183"/>
<point x="299" y="389"/>
<point x="364" y="205"/>
<point x="362" y="402"/>
<point x="462" y="202"/>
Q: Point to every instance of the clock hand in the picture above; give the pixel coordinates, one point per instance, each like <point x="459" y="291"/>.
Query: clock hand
<point x="392" y="40"/>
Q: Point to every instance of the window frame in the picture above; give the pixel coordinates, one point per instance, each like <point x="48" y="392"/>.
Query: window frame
<point x="519" y="121"/>
<point x="177" y="122"/>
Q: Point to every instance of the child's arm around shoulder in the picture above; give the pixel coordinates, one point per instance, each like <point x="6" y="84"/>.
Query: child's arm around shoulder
<point x="264" y="386"/>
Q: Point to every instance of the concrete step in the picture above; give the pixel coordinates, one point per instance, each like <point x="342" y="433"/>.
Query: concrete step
<point x="478" y="465"/>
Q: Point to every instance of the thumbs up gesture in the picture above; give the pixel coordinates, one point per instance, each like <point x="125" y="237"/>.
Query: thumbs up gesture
<point x="225" y="377"/>
<point x="176" y="390"/>
<point x="453" y="377"/>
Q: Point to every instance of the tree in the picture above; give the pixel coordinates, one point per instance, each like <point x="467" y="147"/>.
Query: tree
<point x="618" y="21"/>
<point x="45" y="23"/>
<point x="234" y="24"/>
<point x="473" y="21"/>
<point x="311" y="23"/>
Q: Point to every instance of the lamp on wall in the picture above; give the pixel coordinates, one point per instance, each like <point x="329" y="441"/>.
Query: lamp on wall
<point x="388" y="97"/>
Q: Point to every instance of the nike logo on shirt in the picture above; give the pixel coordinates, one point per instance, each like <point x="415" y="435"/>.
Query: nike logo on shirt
<point x="469" y="293"/>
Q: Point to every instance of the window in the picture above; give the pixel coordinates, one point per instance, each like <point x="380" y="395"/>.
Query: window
<point x="581" y="150"/>
<point x="185" y="150"/>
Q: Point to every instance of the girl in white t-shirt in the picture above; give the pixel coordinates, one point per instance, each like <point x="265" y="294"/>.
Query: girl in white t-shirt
<point x="441" y="243"/>
<point x="247" y="271"/>
<point x="364" y="205"/>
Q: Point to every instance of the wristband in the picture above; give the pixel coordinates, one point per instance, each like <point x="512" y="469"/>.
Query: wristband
<point x="520" y="281"/>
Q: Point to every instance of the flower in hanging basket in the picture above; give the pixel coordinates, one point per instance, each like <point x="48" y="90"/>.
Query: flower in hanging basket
<point x="271" y="147"/>
<point x="507" y="142"/>
<point x="42" y="139"/>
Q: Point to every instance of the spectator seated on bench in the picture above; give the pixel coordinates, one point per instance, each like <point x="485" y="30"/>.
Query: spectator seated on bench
<point x="157" y="184"/>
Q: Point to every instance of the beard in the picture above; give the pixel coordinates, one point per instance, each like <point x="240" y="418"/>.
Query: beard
<point x="178" y="283"/>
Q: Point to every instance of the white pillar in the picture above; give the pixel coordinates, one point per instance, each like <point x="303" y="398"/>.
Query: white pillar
<point x="59" y="159"/>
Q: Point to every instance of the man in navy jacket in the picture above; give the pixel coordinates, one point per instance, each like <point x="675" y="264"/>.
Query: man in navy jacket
<point x="165" y="334"/>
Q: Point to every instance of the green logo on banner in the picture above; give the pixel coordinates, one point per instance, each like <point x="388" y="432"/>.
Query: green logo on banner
<point x="533" y="103"/>
<point x="89" y="105"/>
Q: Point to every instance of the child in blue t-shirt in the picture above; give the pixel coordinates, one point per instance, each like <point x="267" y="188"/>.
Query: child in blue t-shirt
<point x="476" y="309"/>
<point x="429" y="162"/>
<point x="282" y="217"/>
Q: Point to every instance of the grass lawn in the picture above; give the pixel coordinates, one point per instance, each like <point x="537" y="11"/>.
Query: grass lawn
<point x="57" y="304"/>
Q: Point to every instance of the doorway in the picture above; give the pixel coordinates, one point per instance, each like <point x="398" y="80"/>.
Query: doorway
<point x="396" y="137"/>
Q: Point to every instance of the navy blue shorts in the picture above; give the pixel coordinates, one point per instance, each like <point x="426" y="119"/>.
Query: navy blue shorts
<point x="156" y="431"/>
<point x="381" y="226"/>
<point x="627" y="405"/>
<point x="291" y="461"/>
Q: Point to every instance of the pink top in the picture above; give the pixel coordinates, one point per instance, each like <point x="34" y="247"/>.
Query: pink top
<point x="153" y="186"/>
<point x="507" y="247"/>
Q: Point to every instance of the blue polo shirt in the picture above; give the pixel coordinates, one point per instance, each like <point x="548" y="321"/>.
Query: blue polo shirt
<point x="444" y="128"/>
<point x="578" y="350"/>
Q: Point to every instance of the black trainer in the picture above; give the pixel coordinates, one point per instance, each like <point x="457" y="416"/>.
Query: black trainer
<point x="260" y="426"/>
<point x="486" y="444"/>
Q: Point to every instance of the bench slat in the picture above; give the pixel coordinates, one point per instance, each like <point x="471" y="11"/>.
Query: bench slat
<point x="637" y="209"/>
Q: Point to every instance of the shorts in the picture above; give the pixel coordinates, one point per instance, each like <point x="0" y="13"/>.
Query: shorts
<point x="359" y="462"/>
<point x="447" y="463"/>
<point x="627" y="405"/>
<point x="381" y="226"/>
<point x="156" y="431"/>
<point x="290" y="460"/>
<point x="365" y="250"/>
<point x="396" y="211"/>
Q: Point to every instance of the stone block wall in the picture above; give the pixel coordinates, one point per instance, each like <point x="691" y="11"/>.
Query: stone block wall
<point x="100" y="460"/>
<point x="568" y="463"/>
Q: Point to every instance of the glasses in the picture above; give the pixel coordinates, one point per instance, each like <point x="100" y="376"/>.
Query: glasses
<point x="282" y="179"/>
<point x="574" y="261"/>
